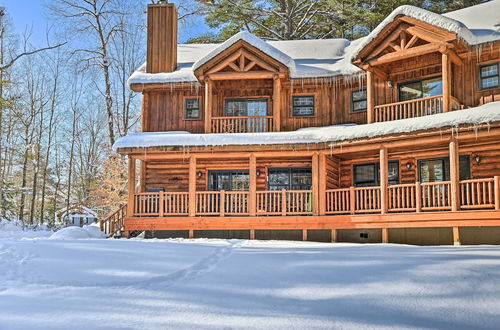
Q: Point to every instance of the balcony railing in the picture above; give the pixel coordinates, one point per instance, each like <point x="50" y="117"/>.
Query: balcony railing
<point x="413" y="108"/>
<point x="243" y="124"/>
<point x="409" y="109"/>
<point x="413" y="197"/>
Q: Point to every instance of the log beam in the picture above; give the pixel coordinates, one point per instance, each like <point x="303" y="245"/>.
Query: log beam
<point x="208" y="105"/>
<point x="252" y="201"/>
<point x="454" y="175"/>
<point x="131" y="186"/>
<point x="446" y="77"/>
<point x="276" y="103"/>
<point x="192" y="186"/>
<point x="384" y="180"/>
<point x="370" y="96"/>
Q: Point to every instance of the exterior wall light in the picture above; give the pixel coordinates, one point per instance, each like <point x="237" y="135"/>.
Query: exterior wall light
<point x="477" y="158"/>
<point x="258" y="173"/>
<point x="199" y="174"/>
<point x="389" y="84"/>
<point x="408" y="165"/>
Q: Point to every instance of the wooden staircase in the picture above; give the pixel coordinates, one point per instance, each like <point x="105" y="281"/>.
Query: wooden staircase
<point x="114" y="224"/>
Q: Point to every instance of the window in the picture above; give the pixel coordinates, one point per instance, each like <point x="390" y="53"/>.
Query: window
<point x="438" y="169"/>
<point x="298" y="178"/>
<point x="358" y="100"/>
<point x="303" y="105"/>
<point x="421" y="88"/>
<point x="192" y="108"/>
<point x="229" y="180"/>
<point x="489" y="76"/>
<point x="368" y="175"/>
<point x="246" y="107"/>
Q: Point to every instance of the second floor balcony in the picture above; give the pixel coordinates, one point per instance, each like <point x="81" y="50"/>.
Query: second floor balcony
<point x="242" y="124"/>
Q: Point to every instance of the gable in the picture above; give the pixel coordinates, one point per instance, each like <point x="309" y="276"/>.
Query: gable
<point x="404" y="38"/>
<point x="241" y="58"/>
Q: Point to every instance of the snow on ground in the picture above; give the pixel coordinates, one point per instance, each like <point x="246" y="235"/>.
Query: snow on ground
<point x="237" y="284"/>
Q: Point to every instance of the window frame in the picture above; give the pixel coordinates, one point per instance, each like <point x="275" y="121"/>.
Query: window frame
<point x="430" y="77"/>
<point x="290" y="172"/>
<point x="446" y="167"/>
<point x="246" y="99"/>
<point x="232" y="172"/>
<point x="376" y="181"/>
<point x="186" y="99"/>
<point x="481" y="87"/>
<point x="352" y="100"/>
<point x="303" y="106"/>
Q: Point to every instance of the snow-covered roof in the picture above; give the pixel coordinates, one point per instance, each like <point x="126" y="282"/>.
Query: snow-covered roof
<point x="484" y="114"/>
<point x="467" y="23"/>
<point x="330" y="57"/>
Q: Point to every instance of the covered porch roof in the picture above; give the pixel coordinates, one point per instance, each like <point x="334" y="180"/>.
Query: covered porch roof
<point x="473" y="117"/>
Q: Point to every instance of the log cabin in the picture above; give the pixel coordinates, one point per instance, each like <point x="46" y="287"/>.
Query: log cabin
<point x="393" y="137"/>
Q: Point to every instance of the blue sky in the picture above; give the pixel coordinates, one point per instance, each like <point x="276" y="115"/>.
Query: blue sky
<point x="31" y="13"/>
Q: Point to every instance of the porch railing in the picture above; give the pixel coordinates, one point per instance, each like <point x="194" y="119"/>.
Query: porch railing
<point x="243" y="124"/>
<point x="409" y="109"/>
<point x="413" y="197"/>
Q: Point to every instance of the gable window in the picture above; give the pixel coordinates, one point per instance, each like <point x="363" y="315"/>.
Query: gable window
<point x="192" y="108"/>
<point x="229" y="180"/>
<point x="358" y="100"/>
<point x="489" y="76"/>
<point x="368" y="175"/>
<point x="438" y="169"/>
<point x="303" y="105"/>
<point x="246" y="107"/>
<point x="290" y="178"/>
<point x="420" y="88"/>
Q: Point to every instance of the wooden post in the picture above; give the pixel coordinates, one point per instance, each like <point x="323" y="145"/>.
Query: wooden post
<point x="208" y="105"/>
<point x="418" y="197"/>
<point x="456" y="236"/>
<point x="322" y="184"/>
<point x="252" y="198"/>
<point x="191" y="233"/>
<point x="454" y="175"/>
<point x="222" y="201"/>
<point x="315" y="183"/>
<point x="161" y="207"/>
<point x="497" y="192"/>
<point x="145" y="112"/>
<point x="252" y="234"/>
<point x="370" y="96"/>
<point x="446" y="76"/>
<point x="352" y="200"/>
<point x="385" y="235"/>
<point x="142" y="176"/>
<point x="304" y="234"/>
<point x="276" y="104"/>
<point x="283" y="202"/>
<point x="192" y="186"/>
<point x="335" y="234"/>
<point x="384" y="180"/>
<point x="131" y="186"/>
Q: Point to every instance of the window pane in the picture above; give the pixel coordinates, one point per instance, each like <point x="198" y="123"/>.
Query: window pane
<point x="359" y="95"/>
<point x="359" y="106"/>
<point x="364" y="175"/>
<point x="246" y="107"/>
<point x="192" y="108"/>
<point x="464" y="167"/>
<point x="432" y="87"/>
<point x="303" y="105"/>
<point x="489" y="70"/>
<point x="489" y="82"/>
<point x="410" y="91"/>
<point x="432" y="170"/>
<point x="303" y="100"/>
<point x="393" y="172"/>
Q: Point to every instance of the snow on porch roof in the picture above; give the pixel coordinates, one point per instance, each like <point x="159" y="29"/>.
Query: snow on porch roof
<point x="485" y="114"/>
<point x="475" y="25"/>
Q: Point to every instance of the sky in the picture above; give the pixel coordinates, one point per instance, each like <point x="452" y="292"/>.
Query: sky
<point x="32" y="15"/>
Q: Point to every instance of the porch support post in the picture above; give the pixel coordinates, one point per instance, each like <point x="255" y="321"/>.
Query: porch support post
<point x="322" y="184"/>
<point x="454" y="176"/>
<point x="496" y="192"/>
<point x="335" y="234"/>
<point x="384" y="180"/>
<point x="252" y="198"/>
<point x="131" y="186"/>
<point x="446" y="72"/>
<point x="385" y="235"/>
<point x="315" y="183"/>
<point x="192" y="185"/>
<point x="370" y="96"/>
<point x="456" y="236"/>
<point x="142" y="176"/>
<point x="208" y="105"/>
<point x="276" y="104"/>
<point x="304" y="234"/>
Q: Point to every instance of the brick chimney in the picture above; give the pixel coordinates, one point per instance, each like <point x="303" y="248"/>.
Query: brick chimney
<point x="162" y="37"/>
